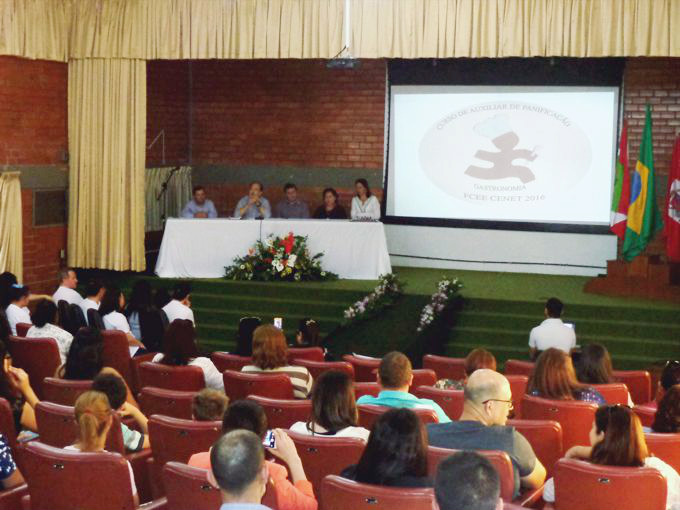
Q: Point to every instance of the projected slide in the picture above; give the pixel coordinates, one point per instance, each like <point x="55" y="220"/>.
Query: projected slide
<point x="521" y="154"/>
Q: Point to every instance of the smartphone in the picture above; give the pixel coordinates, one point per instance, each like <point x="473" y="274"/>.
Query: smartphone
<point x="278" y="322"/>
<point x="269" y="439"/>
<point x="569" y="325"/>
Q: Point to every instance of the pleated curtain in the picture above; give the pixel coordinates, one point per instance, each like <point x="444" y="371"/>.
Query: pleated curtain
<point x="11" y="242"/>
<point x="175" y="198"/>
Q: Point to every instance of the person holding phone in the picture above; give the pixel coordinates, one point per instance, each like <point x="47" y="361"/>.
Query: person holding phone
<point x="253" y="206"/>
<point x="552" y="332"/>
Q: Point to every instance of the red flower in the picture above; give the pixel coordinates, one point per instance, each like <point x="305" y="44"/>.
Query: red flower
<point x="289" y="242"/>
<point x="268" y="261"/>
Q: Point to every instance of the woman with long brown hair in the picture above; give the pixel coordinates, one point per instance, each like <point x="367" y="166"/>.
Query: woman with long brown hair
<point x="667" y="418"/>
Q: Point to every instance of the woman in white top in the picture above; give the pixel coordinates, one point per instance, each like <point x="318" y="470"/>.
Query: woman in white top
<point x="179" y="348"/>
<point x="43" y="327"/>
<point x="616" y="439"/>
<point x="364" y="205"/>
<point x="334" y="409"/>
<point x="113" y="302"/>
<point x="17" y="311"/>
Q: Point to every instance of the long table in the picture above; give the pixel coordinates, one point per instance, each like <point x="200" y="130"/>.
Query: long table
<point x="201" y="248"/>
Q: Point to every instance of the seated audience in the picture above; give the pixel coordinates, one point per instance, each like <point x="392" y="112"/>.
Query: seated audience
<point x="161" y="297"/>
<point x="253" y="206"/>
<point x="365" y="205"/>
<point x="94" y="292"/>
<point x="594" y="366"/>
<point x="139" y="303"/>
<point x="270" y="355"/>
<point x="113" y="303"/>
<point x="179" y="349"/>
<point x="43" y="327"/>
<point x="7" y="279"/>
<point x="308" y="334"/>
<point x="667" y="418"/>
<point x="291" y="207"/>
<point x="554" y="378"/>
<point x="330" y="210"/>
<point x="467" y="481"/>
<point x="396" y="452"/>
<point x="5" y="330"/>
<point x="244" y="340"/>
<point x="17" y="311"/>
<point x="180" y="305"/>
<point x="482" y="426"/>
<point x="334" y="409"/>
<point x="476" y="358"/>
<point x="248" y="415"/>
<point x="10" y="476"/>
<point x="16" y="389"/>
<point x="209" y="405"/>
<point x="395" y="376"/>
<point x="616" y="439"/>
<point x="93" y="418"/>
<point x="67" y="288"/>
<point x="199" y="206"/>
<point x="552" y="332"/>
<point x="670" y="376"/>
<point x="115" y="390"/>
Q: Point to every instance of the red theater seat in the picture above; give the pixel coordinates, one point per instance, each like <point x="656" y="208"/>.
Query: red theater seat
<point x="518" y="387"/>
<point x="646" y="413"/>
<point x="238" y="385"/>
<point x="281" y="414"/>
<point x="187" y="488"/>
<point x="613" y="393"/>
<point x="39" y="357"/>
<point x="446" y="368"/>
<point x="64" y="391"/>
<point x="666" y="447"/>
<point x="10" y="499"/>
<point x="639" y="383"/>
<point x="316" y="368"/>
<point x="364" y="367"/>
<point x="308" y="353"/>
<point x="545" y="437"/>
<point x="423" y="377"/>
<point x="225" y="361"/>
<point x="178" y="378"/>
<point x="451" y="401"/>
<point x="340" y="494"/>
<point x="518" y="367"/>
<point x="22" y="329"/>
<point x="177" y="404"/>
<point x="116" y="354"/>
<point x="7" y="423"/>
<point x="369" y="413"/>
<point x="366" y="388"/>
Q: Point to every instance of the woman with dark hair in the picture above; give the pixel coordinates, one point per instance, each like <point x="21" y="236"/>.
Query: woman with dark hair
<point x="16" y="389"/>
<point x="7" y="279"/>
<point x="594" y="366"/>
<point x="330" y="210"/>
<point x="17" y="311"/>
<point x="308" y="334"/>
<point x="616" y="439"/>
<point x="5" y="330"/>
<point x="334" y="409"/>
<point x="179" y="348"/>
<point x="365" y="205"/>
<point x="44" y="317"/>
<point x="396" y="453"/>
<point x="161" y="297"/>
<point x="140" y="303"/>
<point x="554" y="378"/>
<point x="113" y="302"/>
<point x="667" y="418"/>
<point x="244" y="339"/>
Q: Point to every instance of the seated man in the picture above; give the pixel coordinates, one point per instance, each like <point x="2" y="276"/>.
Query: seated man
<point x="94" y="292"/>
<point x="209" y="405"/>
<point x="395" y="376"/>
<point x="482" y="426"/>
<point x="292" y="206"/>
<point x="199" y="207"/>
<point x="467" y="481"/>
<point x="17" y="311"/>
<point x="179" y="307"/>
<point x="66" y="291"/>
<point x="552" y="332"/>
<point x="253" y="205"/>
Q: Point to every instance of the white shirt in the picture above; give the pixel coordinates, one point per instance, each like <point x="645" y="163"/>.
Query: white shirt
<point x="359" y="432"/>
<point x="63" y="338"/>
<point x="68" y="295"/>
<point x="552" y="333"/>
<point x="176" y="310"/>
<point x="86" y="305"/>
<point x="16" y="315"/>
<point x="117" y="321"/>
<point x="132" y="474"/>
<point x="368" y="210"/>
<point x="213" y="377"/>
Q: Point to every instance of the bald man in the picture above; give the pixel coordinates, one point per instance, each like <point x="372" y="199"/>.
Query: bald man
<point x="482" y="426"/>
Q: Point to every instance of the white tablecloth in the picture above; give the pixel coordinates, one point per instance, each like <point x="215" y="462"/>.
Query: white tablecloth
<point x="201" y="248"/>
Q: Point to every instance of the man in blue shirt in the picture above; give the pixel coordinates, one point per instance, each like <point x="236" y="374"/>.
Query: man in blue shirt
<point x="199" y="207"/>
<point x="253" y="206"/>
<point x="395" y="376"/>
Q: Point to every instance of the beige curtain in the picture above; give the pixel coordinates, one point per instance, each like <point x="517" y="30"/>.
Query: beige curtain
<point x="177" y="195"/>
<point x="107" y="141"/>
<point x="11" y="242"/>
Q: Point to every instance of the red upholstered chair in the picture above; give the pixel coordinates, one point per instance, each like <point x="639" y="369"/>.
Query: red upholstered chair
<point x="646" y="414"/>
<point x="178" y="378"/>
<point x="666" y="447"/>
<point x="281" y="414"/>
<point x="341" y="494"/>
<point x="613" y="393"/>
<point x="316" y="368"/>
<point x="7" y="427"/>
<point x="64" y="391"/>
<point x="308" y="353"/>
<point x="116" y="354"/>
<point x="135" y="361"/>
<point x="22" y="329"/>
<point x="225" y="361"/>
<point x="187" y="488"/>
<point x="323" y="456"/>
<point x="39" y="357"/>
<point x="364" y="367"/>
<point x="580" y="485"/>
<point x="451" y="401"/>
<point x="238" y="385"/>
<point x="366" y="388"/>
<point x="518" y="367"/>
<point x="445" y="367"/>
<point x="575" y="417"/>
<point x="545" y="437"/>
<point x="369" y="413"/>
<point x="10" y="499"/>
<point x="177" y="404"/>
<point x="518" y="387"/>
<point x="639" y="383"/>
<point x="423" y="377"/>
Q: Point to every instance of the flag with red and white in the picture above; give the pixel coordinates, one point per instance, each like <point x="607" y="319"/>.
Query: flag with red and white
<point x="672" y="220"/>
<point x="621" y="197"/>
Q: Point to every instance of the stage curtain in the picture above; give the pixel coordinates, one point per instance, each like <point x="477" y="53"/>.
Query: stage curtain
<point x="11" y="242"/>
<point x="177" y="195"/>
<point x="107" y="141"/>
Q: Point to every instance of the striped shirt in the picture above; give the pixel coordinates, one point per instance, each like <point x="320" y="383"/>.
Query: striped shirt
<point x="299" y="376"/>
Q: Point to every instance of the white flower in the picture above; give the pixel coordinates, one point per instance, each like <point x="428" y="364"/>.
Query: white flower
<point x="291" y="260"/>
<point x="242" y="266"/>
<point x="269" y="242"/>
<point x="279" y="266"/>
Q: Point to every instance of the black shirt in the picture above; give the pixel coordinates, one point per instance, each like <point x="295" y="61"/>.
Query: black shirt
<point x="337" y="213"/>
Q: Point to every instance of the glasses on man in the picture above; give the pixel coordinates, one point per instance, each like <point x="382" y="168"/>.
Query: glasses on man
<point x="511" y="406"/>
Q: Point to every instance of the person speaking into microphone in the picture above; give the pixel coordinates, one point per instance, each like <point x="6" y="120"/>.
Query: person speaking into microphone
<point x="253" y="206"/>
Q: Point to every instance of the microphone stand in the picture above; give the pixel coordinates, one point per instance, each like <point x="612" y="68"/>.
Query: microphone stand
<point x="162" y="193"/>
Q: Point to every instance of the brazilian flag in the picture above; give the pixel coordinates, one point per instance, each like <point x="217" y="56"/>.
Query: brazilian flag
<point x="644" y="218"/>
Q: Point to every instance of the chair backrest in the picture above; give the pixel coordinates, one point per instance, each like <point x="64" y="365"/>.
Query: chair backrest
<point x="580" y="485"/>
<point x="316" y="368"/>
<point x="576" y="417"/>
<point x="39" y="357"/>
<point x="323" y="456"/>
<point x="364" y="368"/>
<point x="238" y="385"/>
<point x="66" y="317"/>
<point x="309" y="353"/>
<point x="116" y="353"/>
<point x="64" y="391"/>
<point x="445" y="367"/>
<point x="666" y="447"/>
<point x="646" y="413"/>
<point x="69" y="480"/>
<point x="613" y="393"/>
<point x="499" y="459"/>
<point x="518" y="367"/>
<point x="338" y="493"/>
<point x="639" y="383"/>
<point x="366" y="388"/>
<point x="369" y="413"/>
<point x="178" y="378"/>
<point x="77" y="316"/>
<point x="225" y="361"/>
<point x="187" y="488"/>
<point x="94" y="319"/>
<point x="545" y="437"/>
<point x="22" y="329"/>
<point x="174" y="439"/>
<point x="518" y="387"/>
<point x="177" y="404"/>
<point x="7" y="427"/>
<point x="451" y="401"/>
<point x="152" y="329"/>
<point x="281" y="414"/>
<point x="423" y="377"/>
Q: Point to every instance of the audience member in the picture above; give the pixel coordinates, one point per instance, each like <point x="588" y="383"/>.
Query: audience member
<point x="270" y="354"/>
<point x="396" y="452"/>
<point x="308" y="333"/>
<point x="17" y="311"/>
<point x="670" y="376"/>
<point x="253" y="206"/>
<point x="476" y="358"/>
<point x="552" y="332"/>
<point x="365" y="205"/>
<point x="179" y="349"/>
<point x="395" y="376"/>
<point x="43" y="327"/>
<point x="7" y="279"/>
<point x="209" y="405"/>
<point x="334" y="409"/>
<point x="330" y="210"/>
<point x="94" y="292"/>
<point x="244" y="340"/>
<point x="594" y="366"/>
<point x="467" y="481"/>
<point x="199" y="206"/>
<point x="616" y="439"/>
<point x="161" y="297"/>
<point x="483" y="426"/>
<point x="554" y="378"/>
<point x="180" y="306"/>
<point x="667" y="418"/>
<point x="10" y="476"/>
<point x="113" y="303"/>
<point x="292" y="207"/>
<point x="5" y="330"/>
<point x="16" y="389"/>
<point x="66" y="291"/>
<point x="139" y="303"/>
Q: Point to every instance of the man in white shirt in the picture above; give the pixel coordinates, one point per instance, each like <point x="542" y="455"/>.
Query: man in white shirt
<point x="66" y="291"/>
<point x="17" y="311"/>
<point x="199" y="207"/>
<point x="179" y="307"/>
<point x="552" y="332"/>
<point x="94" y="291"/>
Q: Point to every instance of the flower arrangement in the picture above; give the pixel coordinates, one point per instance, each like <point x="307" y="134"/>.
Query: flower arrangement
<point x="447" y="290"/>
<point x="279" y="259"/>
<point x="388" y="290"/>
